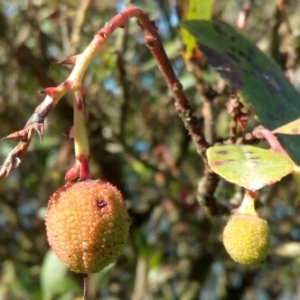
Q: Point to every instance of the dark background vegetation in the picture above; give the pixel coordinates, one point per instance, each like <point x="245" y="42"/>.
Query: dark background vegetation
<point x="137" y="141"/>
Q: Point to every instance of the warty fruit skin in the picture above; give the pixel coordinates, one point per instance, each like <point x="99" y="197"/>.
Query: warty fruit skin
<point x="246" y="238"/>
<point x="87" y="225"/>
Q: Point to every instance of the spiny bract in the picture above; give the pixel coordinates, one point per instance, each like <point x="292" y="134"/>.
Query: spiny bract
<point x="87" y="225"/>
<point x="247" y="238"/>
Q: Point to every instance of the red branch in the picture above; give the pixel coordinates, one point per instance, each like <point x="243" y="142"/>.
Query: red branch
<point x="81" y="62"/>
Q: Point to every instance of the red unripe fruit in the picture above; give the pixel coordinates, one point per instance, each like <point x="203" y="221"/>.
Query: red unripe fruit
<point x="87" y="225"/>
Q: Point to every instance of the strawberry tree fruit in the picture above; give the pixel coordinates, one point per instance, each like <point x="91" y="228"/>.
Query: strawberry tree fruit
<point x="246" y="238"/>
<point x="87" y="225"/>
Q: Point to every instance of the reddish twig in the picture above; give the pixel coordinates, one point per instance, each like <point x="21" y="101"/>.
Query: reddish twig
<point x="82" y="61"/>
<point x="268" y="135"/>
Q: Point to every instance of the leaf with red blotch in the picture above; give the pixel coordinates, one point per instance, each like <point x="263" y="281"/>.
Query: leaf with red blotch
<point x="248" y="166"/>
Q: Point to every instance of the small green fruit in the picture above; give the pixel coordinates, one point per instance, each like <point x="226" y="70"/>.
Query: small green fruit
<point x="246" y="238"/>
<point x="87" y="225"/>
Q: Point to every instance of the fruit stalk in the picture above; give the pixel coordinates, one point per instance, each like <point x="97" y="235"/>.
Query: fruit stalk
<point x="78" y="132"/>
<point x="248" y="204"/>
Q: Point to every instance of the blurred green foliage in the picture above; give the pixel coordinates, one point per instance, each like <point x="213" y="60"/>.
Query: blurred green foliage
<point x="138" y="143"/>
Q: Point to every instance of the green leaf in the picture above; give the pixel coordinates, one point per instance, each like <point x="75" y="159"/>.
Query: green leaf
<point x="292" y="128"/>
<point x="54" y="279"/>
<point x="255" y="77"/>
<point x="248" y="166"/>
<point x="193" y="9"/>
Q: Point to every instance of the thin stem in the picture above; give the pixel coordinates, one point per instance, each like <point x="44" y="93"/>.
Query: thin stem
<point x="81" y="168"/>
<point x="85" y="286"/>
<point x="248" y="204"/>
<point x="81" y="142"/>
<point x="262" y="132"/>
